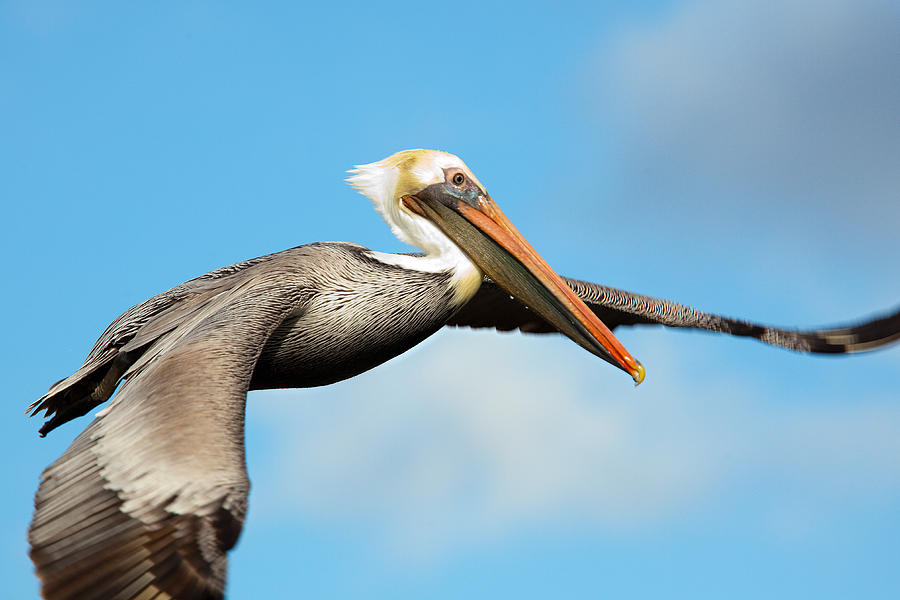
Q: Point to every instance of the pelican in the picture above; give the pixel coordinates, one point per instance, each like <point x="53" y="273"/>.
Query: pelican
<point x="149" y="499"/>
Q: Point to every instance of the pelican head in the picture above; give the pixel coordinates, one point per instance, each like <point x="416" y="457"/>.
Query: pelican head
<point x="433" y="201"/>
<point x="403" y="174"/>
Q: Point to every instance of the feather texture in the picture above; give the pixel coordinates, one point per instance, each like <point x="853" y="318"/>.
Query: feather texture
<point x="148" y="500"/>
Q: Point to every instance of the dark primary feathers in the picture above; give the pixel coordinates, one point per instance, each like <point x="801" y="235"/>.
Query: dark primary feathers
<point x="493" y="308"/>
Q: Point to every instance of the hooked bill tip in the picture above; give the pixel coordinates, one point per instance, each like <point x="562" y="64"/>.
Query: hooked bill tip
<point x="638" y="373"/>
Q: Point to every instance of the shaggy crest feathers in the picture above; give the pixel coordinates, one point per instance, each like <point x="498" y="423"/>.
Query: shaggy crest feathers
<point x="407" y="172"/>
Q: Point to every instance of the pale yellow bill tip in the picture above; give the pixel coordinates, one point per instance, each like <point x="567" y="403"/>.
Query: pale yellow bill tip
<point x="638" y="373"/>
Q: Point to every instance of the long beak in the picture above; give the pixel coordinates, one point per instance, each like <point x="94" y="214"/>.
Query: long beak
<point x="494" y="244"/>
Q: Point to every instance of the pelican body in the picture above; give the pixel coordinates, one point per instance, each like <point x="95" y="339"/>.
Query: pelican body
<point x="148" y="500"/>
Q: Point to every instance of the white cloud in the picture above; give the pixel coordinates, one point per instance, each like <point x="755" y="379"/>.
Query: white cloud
<point x="434" y="460"/>
<point x="787" y="100"/>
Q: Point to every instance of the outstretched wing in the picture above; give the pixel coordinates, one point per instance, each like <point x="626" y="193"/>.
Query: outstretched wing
<point x="493" y="307"/>
<point x="146" y="502"/>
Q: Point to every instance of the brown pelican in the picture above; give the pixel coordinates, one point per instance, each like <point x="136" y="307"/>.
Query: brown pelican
<point x="148" y="500"/>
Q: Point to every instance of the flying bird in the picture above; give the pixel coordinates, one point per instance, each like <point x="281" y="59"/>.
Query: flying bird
<point x="148" y="500"/>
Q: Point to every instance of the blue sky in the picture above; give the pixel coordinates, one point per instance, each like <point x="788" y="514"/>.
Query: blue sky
<point x="736" y="156"/>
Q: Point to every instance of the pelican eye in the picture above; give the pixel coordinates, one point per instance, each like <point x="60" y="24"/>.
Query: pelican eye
<point x="458" y="179"/>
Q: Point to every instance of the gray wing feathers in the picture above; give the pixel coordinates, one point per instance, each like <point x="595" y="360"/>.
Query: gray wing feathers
<point x="122" y="342"/>
<point x="492" y="307"/>
<point x="149" y="498"/>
